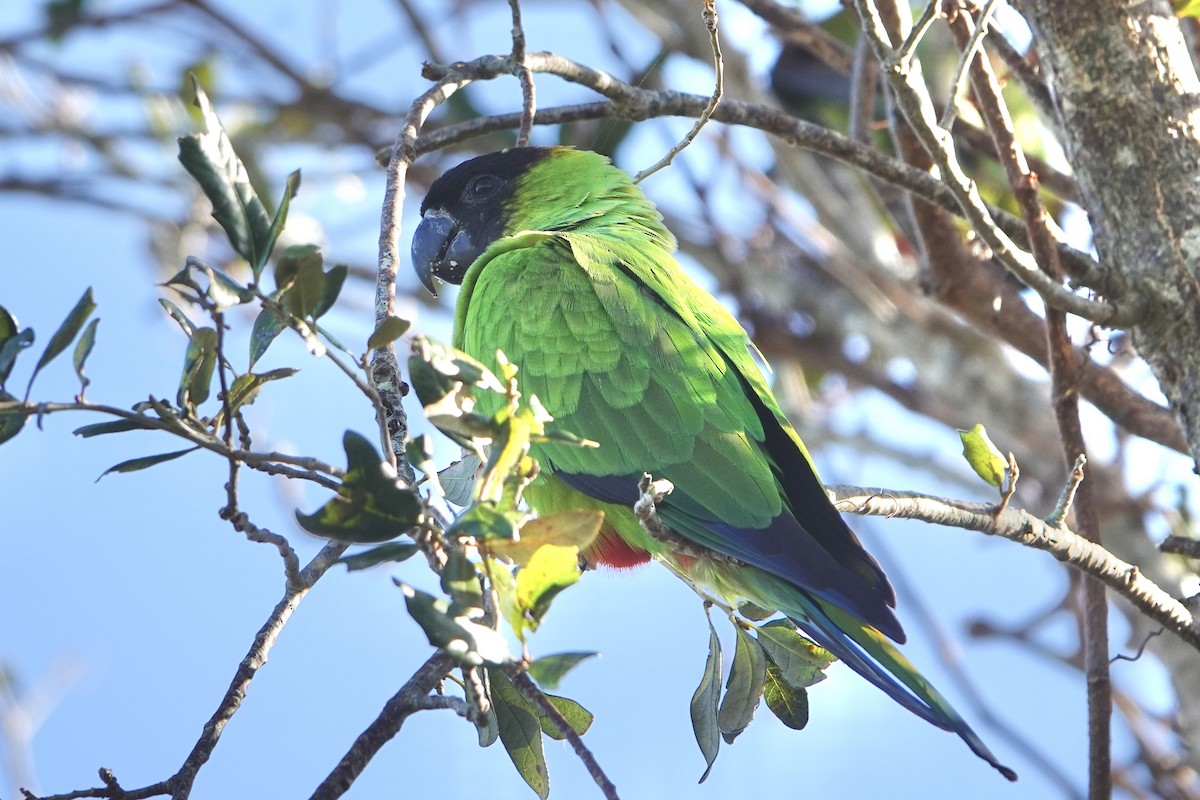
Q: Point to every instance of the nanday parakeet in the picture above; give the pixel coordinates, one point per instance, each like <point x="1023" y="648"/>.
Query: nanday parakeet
<point x="568" y="269"/>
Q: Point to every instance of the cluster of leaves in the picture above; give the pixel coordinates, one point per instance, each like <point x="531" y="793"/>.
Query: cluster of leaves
<point x="14" y="339"/>
<point x="498" y="564"/>
<point x="771" y="662"/>
<point x="304" y="292"/>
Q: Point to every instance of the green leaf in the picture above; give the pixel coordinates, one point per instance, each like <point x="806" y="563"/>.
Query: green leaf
<point x="744" y="688"/>
<point x="755" y="612"/>
<point x="458" y="479"/>
<point x="506" y="593"/>
<point x="705" y="702"/>
<point x="983" y="456"/>
<point x="83" y="349"/>
<point x="485" y="521"/>
<point x="334" y="279"/>
<point x="1187" y="8"/>
<point x="180" y="318"/>
<point x="116" y="426"/>
<point x="549" y="671"/>
<point x="508" y="453"/>
<point x="62" y="16"/>
<point x="8" y="325"/>
<point x="65" y="334"/>
<point x="444" y="381"/>
<point x="224" y="291"/>
<point x="329" y="337"/>
<point x="210" y="159"/>
<point x="489" y="731"/>
<point x="801" y="663"/>
<point x="577" y="529"/>
<point x="10" y="348"/>
<point x="199" y="362"/>
<point x="520" y="732"/>
<point x="145" y="462"/>
<point x="461" y="582"/>
<point x="277" y="224"/>
<point x="383" y="554"/>
<point x="388" y="331"/>
<point x="785" y="701"/>
<point x="437" y="371"/>
<point x="578" y="718"/>
<point x="11" y="422"/>
<point x="370" y="506"/>
<point x="469" y="642"/>
<point x="300" y="279"/>
<point x="550" y="570"/>
<point x="245" y="388"/>
<point x="418" y="453"/>
<point x="267" y="325"/>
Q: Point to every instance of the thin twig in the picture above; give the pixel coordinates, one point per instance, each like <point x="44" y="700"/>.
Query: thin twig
<point x="1141" y="647"/>
<point x="863" y="91"/>
<point x="412" y="697"/>
<point x="179" y="785"/>
<point x="710" y="22"/>
<point x="908" y="48"/>
<point x="959" y="84"/>
<point x="1067" y="498"/>
<point x="534" y="695"/>
<point x="1181" y="545"/>
<point x="1014" y="475"/>
<point x="524" y="74"/>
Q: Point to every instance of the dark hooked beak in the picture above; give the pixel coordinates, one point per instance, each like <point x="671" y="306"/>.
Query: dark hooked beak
<point x="441" y="249"/>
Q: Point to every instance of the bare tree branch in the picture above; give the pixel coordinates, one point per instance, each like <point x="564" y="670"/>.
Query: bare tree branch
<point x="1024" y="528"/>
<point x="412" y="697"/>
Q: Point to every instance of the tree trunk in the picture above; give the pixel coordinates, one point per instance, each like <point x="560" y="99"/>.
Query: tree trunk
<point x="1126" y="94"/>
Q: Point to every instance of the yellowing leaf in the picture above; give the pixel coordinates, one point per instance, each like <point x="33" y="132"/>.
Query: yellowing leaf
<point x="983" y="456"/>
<point x="576" y="529"/>
<point x="1187" y="8"/>
<point x="550" y="570"/>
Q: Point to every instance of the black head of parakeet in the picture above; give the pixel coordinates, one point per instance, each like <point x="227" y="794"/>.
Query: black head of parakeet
<point x="465" y="211"/>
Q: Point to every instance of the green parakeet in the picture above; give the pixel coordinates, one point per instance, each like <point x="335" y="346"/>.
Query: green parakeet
<point x="568" y="269"/>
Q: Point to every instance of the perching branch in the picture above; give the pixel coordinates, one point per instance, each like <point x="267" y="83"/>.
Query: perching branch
<point x="1025" y="528"/>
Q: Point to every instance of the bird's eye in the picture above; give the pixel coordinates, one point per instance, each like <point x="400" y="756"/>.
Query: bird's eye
<point x="481" y="188"/>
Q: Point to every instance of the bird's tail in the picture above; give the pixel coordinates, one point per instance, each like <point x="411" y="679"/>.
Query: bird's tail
<point x="869" y="653"/>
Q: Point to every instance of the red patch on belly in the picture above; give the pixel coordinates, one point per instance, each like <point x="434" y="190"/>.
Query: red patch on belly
<point x="611" y="550"/>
